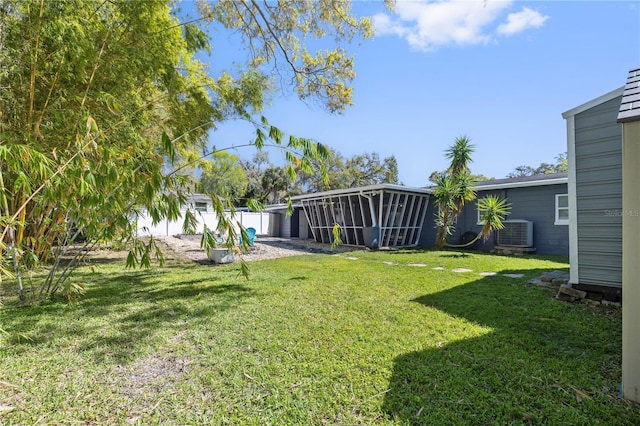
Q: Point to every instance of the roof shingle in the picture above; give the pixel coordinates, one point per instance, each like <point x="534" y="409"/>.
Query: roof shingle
<point x="630" y="105"/>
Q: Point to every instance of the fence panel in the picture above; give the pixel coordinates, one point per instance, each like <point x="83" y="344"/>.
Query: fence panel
<point x="257" y="220"/>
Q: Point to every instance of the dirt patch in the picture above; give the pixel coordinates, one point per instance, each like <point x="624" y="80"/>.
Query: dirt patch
<point x="187" y="247"/>
<point x="145" y="383"/>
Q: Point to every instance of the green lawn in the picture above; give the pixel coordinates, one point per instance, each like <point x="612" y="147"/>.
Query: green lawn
<point x="315" y="340"/>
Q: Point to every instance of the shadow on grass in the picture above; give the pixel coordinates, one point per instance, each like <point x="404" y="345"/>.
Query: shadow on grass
<point x="541" y="360"/>
<point x="136" y="304"/>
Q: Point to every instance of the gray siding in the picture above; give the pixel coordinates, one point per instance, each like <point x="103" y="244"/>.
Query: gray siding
<point x="534" y="203"/>
<point x="428" y="235"/>
<point x="598" y="162"/>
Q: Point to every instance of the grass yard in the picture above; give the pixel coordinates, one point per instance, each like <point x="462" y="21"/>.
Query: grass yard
<point x="315" y="340"/>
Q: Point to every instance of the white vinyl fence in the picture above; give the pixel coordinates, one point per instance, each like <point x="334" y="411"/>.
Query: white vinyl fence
<point x="257" y="220"/>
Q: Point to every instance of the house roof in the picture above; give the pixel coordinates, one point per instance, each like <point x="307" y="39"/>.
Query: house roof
<point x="594" y="102"/>
<point x="197" y="197"/>
<point x="523" y="181"/>
<point x="363" y="189"/>
<point x="630" y="105"/>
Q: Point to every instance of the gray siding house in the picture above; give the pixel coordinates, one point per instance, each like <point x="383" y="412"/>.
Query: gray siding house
<point x="539" y="206"/>
<point x="594" y="151"/>
<point x="396" y="216"/>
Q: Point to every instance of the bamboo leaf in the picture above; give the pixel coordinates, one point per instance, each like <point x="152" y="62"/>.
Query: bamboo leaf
<point x="259" y="141"/>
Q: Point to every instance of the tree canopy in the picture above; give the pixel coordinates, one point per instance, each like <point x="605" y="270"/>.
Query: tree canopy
<point x="560" y="166"/>
<point x="359" y="170"/>
<point x="223" y="174"/>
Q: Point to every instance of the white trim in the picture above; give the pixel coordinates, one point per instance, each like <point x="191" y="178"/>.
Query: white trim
<point x="478" y="218"/>
<point x="574" y="273"/>
<point x="557" y="220"/>
<point x="541" y="182"/>
<point x="361" y="189"/>
<point x="594" y="102"/>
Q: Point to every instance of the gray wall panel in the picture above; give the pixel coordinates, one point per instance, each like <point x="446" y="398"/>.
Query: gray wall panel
<point x="598" y="162"/>
<point x="534" y="203"/>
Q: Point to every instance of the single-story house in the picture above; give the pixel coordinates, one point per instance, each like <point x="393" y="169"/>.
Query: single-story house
<point x="538" y="220"/>
<point x="392" y="216"/>
<point x="594" y="152"/>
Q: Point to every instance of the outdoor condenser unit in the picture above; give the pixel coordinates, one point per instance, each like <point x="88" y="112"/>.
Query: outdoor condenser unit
<point x="516" y="233"/>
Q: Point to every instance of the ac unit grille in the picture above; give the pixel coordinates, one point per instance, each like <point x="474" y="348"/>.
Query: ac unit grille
<point x="516" y="233"/>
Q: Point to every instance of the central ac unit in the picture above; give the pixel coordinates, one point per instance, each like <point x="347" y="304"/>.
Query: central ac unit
<point x="516" y="233"/>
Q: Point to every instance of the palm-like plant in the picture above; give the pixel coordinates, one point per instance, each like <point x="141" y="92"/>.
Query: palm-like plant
<point x="494" y="209"/>
<point x="460" y="155"/>
<point x="453" y="188"/>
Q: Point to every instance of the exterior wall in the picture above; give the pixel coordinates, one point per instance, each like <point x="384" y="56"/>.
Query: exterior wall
<point x="304" y="233"/>
<point x="631" y="263"/>
<point x="285" y="226"/>
<point x="598" y="195"/>
<point x="274" y="224"/>
<point x="428" y="236"/>
<point x="534" y="203"/>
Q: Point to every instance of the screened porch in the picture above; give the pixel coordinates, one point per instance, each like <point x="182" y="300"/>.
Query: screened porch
<point x="377" y="216"/>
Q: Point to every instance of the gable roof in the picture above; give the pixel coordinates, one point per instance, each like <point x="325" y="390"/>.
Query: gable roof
<point x="594" y="102"/>
<point x="630" y="105"/>
<point x="523" y="181"/>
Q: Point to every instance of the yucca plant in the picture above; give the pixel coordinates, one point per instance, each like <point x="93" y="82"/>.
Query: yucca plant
<point x="453" y="188"/>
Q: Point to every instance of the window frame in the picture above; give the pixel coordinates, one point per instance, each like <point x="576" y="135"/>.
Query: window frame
<point x="478" y="215"/>
<point x="558" y="209"/>
<point x="201" y="206"/>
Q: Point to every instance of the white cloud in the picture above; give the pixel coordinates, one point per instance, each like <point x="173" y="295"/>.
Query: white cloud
<point x="523" y="20"/>
<point x="427" y="25"/>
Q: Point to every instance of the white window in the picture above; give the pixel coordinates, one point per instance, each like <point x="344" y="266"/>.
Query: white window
<point x="200" y="207"/>
<point x="562" y="209"/>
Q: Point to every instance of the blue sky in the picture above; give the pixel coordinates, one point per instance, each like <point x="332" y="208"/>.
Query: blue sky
<point x="501" y="73"/>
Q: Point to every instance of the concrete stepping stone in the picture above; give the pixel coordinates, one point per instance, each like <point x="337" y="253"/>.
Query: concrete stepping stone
<point x="461" y="270"/>
<point x="420" y="265"/>
<point x="488" y="274"/>
<point x="438" y="268"/>
<point x="513" y="275"/>
<point x="386" y="262"/>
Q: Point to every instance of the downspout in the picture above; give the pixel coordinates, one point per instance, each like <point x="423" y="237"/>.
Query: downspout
<point x="374" y="219"/>
<point x="372" y="210"/>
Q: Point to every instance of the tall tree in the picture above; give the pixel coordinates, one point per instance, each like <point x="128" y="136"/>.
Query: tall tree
<point x="223" y="175"/>
<point x="367" y="169"/>
<point x="104" y="106"/>
<point x="275" y="182"/>
<point x="254" y="169"/>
